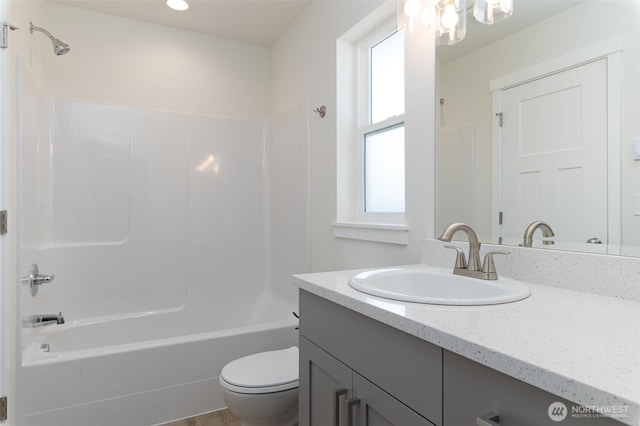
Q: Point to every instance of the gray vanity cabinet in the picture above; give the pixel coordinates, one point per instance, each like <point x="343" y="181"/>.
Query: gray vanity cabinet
<point x="472" y="390"/>
<point x="375" y="407"/>
<point x="325" y="384"/>
<point x="330" y="392"/>
<point x="391" y="378"/>
<point x="394" y="378"/>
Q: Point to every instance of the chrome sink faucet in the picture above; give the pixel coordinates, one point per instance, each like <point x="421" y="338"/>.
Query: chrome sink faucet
<point x="472" y="267"/>
<point x="547" y="232"/>
<point x="40" y="320"/>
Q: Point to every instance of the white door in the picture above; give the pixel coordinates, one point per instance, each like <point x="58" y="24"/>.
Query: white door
<point x="554" y="152"/>
<point x="4" y="247"/>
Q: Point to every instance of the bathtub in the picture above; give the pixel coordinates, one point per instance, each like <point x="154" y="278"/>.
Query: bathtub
<point x="130" y="371"/>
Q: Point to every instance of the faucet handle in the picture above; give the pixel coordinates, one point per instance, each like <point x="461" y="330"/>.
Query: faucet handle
<point x="489" y="267"/>
<point x="461" y="260"/>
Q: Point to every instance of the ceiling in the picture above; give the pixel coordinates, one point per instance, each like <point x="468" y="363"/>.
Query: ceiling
<point x="251" y="21"/>
<point x="262" y="21"/>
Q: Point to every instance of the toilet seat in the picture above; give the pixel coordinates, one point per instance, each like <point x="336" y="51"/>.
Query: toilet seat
<point x="264" y="372"/>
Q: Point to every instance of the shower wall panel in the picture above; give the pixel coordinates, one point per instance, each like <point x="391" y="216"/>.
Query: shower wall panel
<point x="289" y="196"/>
<point x="151" y="211"/>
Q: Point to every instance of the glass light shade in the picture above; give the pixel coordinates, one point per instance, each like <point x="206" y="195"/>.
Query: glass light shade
<point x="491" y="11"/>
<point x="412" y="8"/>
<point x="179" y="5"/>
<point x="414" y="15"/>
<point x="452" y="21"/>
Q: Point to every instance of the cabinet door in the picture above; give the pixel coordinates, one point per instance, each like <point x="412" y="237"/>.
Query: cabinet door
<point x="404" y="366"/>
<point x="322" y="377"/>
<point x="375" y="407"/>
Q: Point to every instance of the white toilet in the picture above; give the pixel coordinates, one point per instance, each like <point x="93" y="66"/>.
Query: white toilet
<point x="262" y="389"/>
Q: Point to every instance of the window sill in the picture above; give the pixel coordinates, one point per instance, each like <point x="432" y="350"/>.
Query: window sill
<point x="381" y="233"/>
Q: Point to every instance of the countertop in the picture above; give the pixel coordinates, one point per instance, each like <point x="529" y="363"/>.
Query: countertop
<point x="582" y="347"/>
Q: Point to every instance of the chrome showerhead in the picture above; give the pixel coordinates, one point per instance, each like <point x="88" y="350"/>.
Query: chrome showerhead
<point x="59" y="47"/>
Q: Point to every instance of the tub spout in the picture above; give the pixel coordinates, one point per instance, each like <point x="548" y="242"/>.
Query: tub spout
<point x="41" y="320"/>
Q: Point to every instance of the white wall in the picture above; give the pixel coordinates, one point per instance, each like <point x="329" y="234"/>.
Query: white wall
<point x="121" y="61"/>
<point x="464" y="83"/>
<point x="304" y="68"/>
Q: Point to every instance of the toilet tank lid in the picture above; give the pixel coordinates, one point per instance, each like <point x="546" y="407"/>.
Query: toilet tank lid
<point x="263" y="369"/>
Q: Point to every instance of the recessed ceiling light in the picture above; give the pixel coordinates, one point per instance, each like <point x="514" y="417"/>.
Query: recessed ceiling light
<point x="180" y="5"/>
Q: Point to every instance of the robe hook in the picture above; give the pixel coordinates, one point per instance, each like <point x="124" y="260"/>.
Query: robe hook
<point x="322" y="111"/>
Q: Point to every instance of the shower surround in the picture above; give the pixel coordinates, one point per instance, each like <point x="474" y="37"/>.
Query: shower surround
<point x="145" y="210"/>
<point x="155" y="226"/>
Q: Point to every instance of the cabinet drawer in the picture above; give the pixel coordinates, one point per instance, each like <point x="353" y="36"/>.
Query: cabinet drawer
<point x="471" y="390"/>
<point x="404" y="366"/>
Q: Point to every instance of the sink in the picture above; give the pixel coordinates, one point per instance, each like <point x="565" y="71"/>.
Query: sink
<point x="437" y="286"/>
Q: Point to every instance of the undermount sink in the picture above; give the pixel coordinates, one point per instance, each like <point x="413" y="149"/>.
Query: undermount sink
<point x="437" y="286"/>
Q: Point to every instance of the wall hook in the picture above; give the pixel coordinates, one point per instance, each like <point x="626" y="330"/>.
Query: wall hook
<point x="4" y="41"/>
<point x="322" y="111"/>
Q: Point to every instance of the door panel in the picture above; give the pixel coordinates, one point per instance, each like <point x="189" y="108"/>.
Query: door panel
<point x="320" y="376"/>
<point x="554" y="145"/>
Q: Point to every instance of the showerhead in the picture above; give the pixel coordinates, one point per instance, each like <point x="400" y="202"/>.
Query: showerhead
<point x="59" y="47"/>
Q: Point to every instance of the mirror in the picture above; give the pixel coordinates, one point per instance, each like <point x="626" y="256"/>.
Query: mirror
<point x="501" y="69"/>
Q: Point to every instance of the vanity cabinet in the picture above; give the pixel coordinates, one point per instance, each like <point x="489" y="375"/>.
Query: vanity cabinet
<point x="351" y="363"/>
<point x="333" y="394"/>
<point x="383" y="376"/>
<point x="325" y="383"/>
<point x="471" y="390"/>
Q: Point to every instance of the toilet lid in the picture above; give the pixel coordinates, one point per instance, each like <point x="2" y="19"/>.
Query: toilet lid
<point x="263" y="372"/>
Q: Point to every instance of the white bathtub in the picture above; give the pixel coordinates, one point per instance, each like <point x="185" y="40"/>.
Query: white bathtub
<point x="119" y="372"/>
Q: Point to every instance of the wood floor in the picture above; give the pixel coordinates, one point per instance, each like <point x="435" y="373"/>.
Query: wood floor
<point x="217" y="418"/>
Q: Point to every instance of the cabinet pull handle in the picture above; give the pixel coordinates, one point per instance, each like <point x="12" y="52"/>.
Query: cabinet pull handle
<point x="336" y="405"/>
<point x="350" y="404"/>
<point x="488" y="419"/>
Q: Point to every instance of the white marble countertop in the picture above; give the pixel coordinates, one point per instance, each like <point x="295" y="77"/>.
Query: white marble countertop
<point x="582" y="347"/>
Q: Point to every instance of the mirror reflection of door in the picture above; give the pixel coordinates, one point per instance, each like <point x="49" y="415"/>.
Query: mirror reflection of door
<point x="554" y="152"/>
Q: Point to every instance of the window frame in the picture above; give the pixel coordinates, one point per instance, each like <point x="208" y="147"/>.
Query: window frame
<point x="365" y="126"/>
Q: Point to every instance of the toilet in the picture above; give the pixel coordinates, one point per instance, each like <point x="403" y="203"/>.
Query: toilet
<point x="262" y="389"/>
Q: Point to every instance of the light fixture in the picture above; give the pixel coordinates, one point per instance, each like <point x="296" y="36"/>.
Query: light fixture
<point x="452" y="21"/>
<point x="492" y="11"/>
<point x="180" y="5"/>
<point x="414" y="15"/>
<point x="448" y="16"/>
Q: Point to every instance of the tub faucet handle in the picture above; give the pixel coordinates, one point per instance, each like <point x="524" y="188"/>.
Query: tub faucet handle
<point x="35" y="278"/>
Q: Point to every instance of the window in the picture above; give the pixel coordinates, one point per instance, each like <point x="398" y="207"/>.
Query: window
<point x="370" y="193"/>
<point x="384" y="132"/>
<point x="380" y="191"/>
